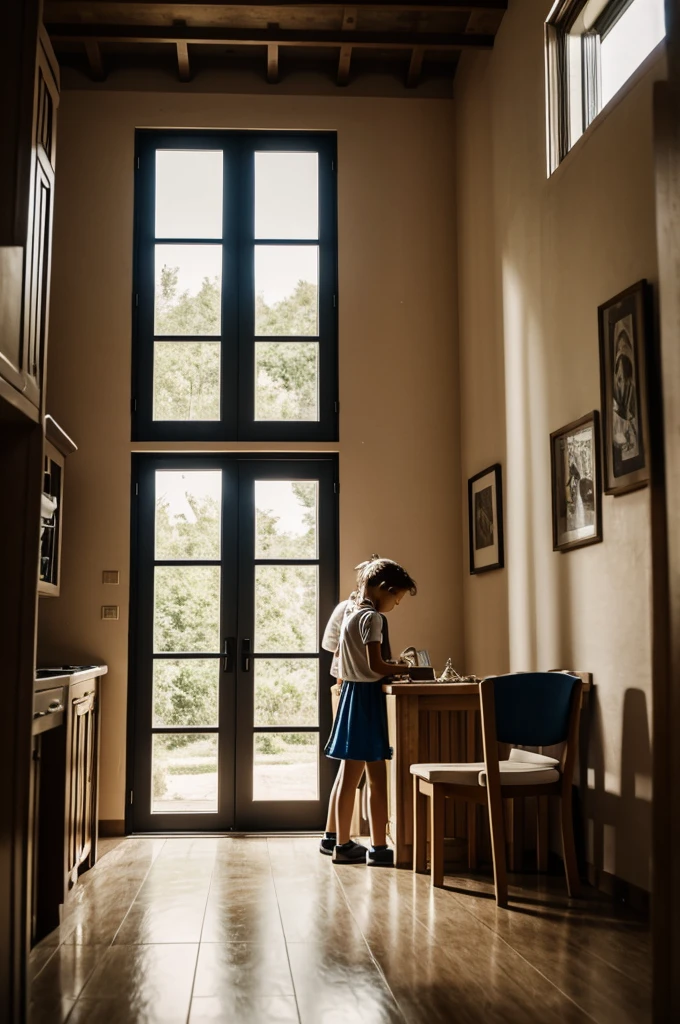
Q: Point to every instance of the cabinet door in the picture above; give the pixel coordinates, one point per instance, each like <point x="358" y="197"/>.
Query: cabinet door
<point x="25" y="289"/>
<point x="83" y="782"/>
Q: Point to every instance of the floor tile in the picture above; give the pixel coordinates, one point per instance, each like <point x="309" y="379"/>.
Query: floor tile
<point x="66" y="972"/>
<point x="336" y="981"/>
<point x="243" y="968"/>
<point x="265" y="1010"/>
<point x="50" y="1011"/>
<point x="165" y="920"/>
<point x="148" y="982"/>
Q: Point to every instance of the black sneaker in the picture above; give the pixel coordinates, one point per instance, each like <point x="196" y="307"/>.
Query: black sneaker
<point x="327" y="845"/>
<point x="380" y="857"/>
<point x="349" y="853"/>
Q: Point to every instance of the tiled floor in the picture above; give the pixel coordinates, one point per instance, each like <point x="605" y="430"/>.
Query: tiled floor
<point x="249" y="930"/>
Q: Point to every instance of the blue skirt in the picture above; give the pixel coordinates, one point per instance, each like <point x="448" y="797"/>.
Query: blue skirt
<point x="359" y="731"/>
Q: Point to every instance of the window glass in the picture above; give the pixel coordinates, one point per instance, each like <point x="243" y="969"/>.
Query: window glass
<point x="639" y="29"/>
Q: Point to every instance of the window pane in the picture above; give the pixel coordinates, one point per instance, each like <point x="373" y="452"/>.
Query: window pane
<point x="184" y="775"/>
<point x="188" y="290"/>
<point x="287" y="380"/>
<point x="188" y="514"/>
<point x="286" y="691"/>
<point x="626" y="45"/>
<point x="286" y="609"/>
<point x="286" y="286"/>
<point x="286" y="518"/>
<point x="188" y="193"/>
<point x="186" y="380"/>
<point x="286" y="195"/>
<point x="285" y="766"/>
<point x="187" y="609"/>
<point x="185" y="692"/>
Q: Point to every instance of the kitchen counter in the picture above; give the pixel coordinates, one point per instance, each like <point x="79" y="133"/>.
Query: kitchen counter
<point x="63" y="675"/>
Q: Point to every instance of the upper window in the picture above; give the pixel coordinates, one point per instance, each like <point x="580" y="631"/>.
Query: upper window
<point x="593" y="47"/>
<point x="235" y="287"/>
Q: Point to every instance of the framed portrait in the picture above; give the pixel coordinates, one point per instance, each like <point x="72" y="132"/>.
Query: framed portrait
<point x="576" y="484"/>
<point x="485" y="520"/>
<point x="625" y="332"/>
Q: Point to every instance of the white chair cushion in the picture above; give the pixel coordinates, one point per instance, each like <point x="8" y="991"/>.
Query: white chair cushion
<point x="529" y="757"/>
<point x="523" y="768"/>
<point x="460" y="774"/>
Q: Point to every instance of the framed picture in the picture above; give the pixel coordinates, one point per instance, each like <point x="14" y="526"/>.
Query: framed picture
<point x="576" y="484"/>
<point x="625" y="331"/>
<point x="485" y="520"/>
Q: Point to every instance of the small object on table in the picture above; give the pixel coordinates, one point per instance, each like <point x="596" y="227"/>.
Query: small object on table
<point x="449" y="675"/>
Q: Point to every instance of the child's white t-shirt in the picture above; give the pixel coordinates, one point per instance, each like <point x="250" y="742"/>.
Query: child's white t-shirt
<point x="360" y="626"/>
<point x="331" y="636"/>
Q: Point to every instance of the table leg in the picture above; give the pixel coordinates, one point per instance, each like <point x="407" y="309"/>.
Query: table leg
<point x="402" y="718"/>
<point x="471" y="755"/>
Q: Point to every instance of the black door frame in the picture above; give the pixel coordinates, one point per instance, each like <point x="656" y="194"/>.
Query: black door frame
<point x="270" y="817"/>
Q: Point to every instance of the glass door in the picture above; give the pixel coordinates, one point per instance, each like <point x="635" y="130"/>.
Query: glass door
<point x="287" y="587"/>
<point x="234" y="571"/>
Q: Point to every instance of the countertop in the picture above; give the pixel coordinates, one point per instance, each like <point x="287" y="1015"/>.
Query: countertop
<point x="66" y="676"/>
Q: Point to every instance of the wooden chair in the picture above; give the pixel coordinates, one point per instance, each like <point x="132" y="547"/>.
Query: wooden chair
<point x="528" y="709"/>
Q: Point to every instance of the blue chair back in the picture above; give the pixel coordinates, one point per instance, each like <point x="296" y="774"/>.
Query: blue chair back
<point x="532" y="708"/>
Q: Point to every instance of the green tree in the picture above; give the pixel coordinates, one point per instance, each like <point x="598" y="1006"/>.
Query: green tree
<point x="187" y="374"/>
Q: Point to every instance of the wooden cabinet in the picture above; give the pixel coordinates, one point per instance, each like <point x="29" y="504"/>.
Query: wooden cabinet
<point x="57" y="446"/>
<point x="26" y="263"/>
<point x="66" y="797"/>
<point x="82" y="767"/>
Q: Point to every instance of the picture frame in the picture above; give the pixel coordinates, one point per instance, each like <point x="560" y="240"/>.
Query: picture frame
<point x="625" y="331"/>
<point x="485" y="520"/>
<point x="576" y="484"/>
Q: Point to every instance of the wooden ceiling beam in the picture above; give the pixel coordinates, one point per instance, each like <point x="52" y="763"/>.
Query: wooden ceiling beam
<point x="155" y="6"/>
<point x="415" y="67"/>
<point x="183" y="66"/>
<point x="140" y="34"/>
<point x="272" y="63"/>
<point x="349" y="19"/>
<point x="349" y="25"/>
<point x="344" y="63"/>
<point x="94" y="60"/>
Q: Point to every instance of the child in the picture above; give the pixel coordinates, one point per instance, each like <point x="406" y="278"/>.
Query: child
<point x="359" y="735"/>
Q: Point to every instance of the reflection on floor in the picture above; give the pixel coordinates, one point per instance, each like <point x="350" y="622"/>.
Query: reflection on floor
<point x="264" y="930"/>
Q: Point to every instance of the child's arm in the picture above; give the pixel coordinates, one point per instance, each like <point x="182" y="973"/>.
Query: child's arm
<point x="380" y="667"/>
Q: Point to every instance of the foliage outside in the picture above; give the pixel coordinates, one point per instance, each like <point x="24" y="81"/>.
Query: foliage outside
<point x="187" y="374"/>
<point x="186" y="619"/>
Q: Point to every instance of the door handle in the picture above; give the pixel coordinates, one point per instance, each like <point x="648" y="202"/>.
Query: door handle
<point x="228" y="654"/>
<point x="245" y="655"/>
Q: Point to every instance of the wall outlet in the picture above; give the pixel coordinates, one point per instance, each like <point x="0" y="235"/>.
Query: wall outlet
<point x="111" y="576"/>
<point x="109" y="611"/>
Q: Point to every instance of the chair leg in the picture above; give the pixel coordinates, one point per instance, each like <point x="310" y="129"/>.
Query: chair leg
<point x="437" y="814"/>
<point x="472" y="835"/>
<point x="542" y="833"/>
<point x="419" y="828"/>
<point x="497" y="829"/>
<point x="568" y="845"/>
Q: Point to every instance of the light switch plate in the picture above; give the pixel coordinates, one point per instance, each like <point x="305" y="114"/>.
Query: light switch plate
<point x="109" y="611"/>
<point x="111" y="576"/>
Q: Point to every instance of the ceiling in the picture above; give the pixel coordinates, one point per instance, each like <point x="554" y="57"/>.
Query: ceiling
<point x="413" y="41"/>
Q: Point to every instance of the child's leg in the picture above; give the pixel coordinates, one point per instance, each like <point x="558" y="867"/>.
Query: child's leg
<point x="331" y="820"/>
<point x="349" y="776"/>
<point x="377" y="801"/>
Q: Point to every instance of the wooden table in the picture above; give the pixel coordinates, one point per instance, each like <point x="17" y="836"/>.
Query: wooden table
<point x="425" y="725"/>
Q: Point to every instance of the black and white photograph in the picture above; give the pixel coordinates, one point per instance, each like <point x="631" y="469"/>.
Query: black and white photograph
<point x="485" y="511"/>
<point x="576" y="504"/>
<point x="624" y="332"/>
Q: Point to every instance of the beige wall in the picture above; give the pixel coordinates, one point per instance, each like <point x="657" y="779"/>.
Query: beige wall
<point x="398" y="359"/>
<point x="537" y="257"/>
